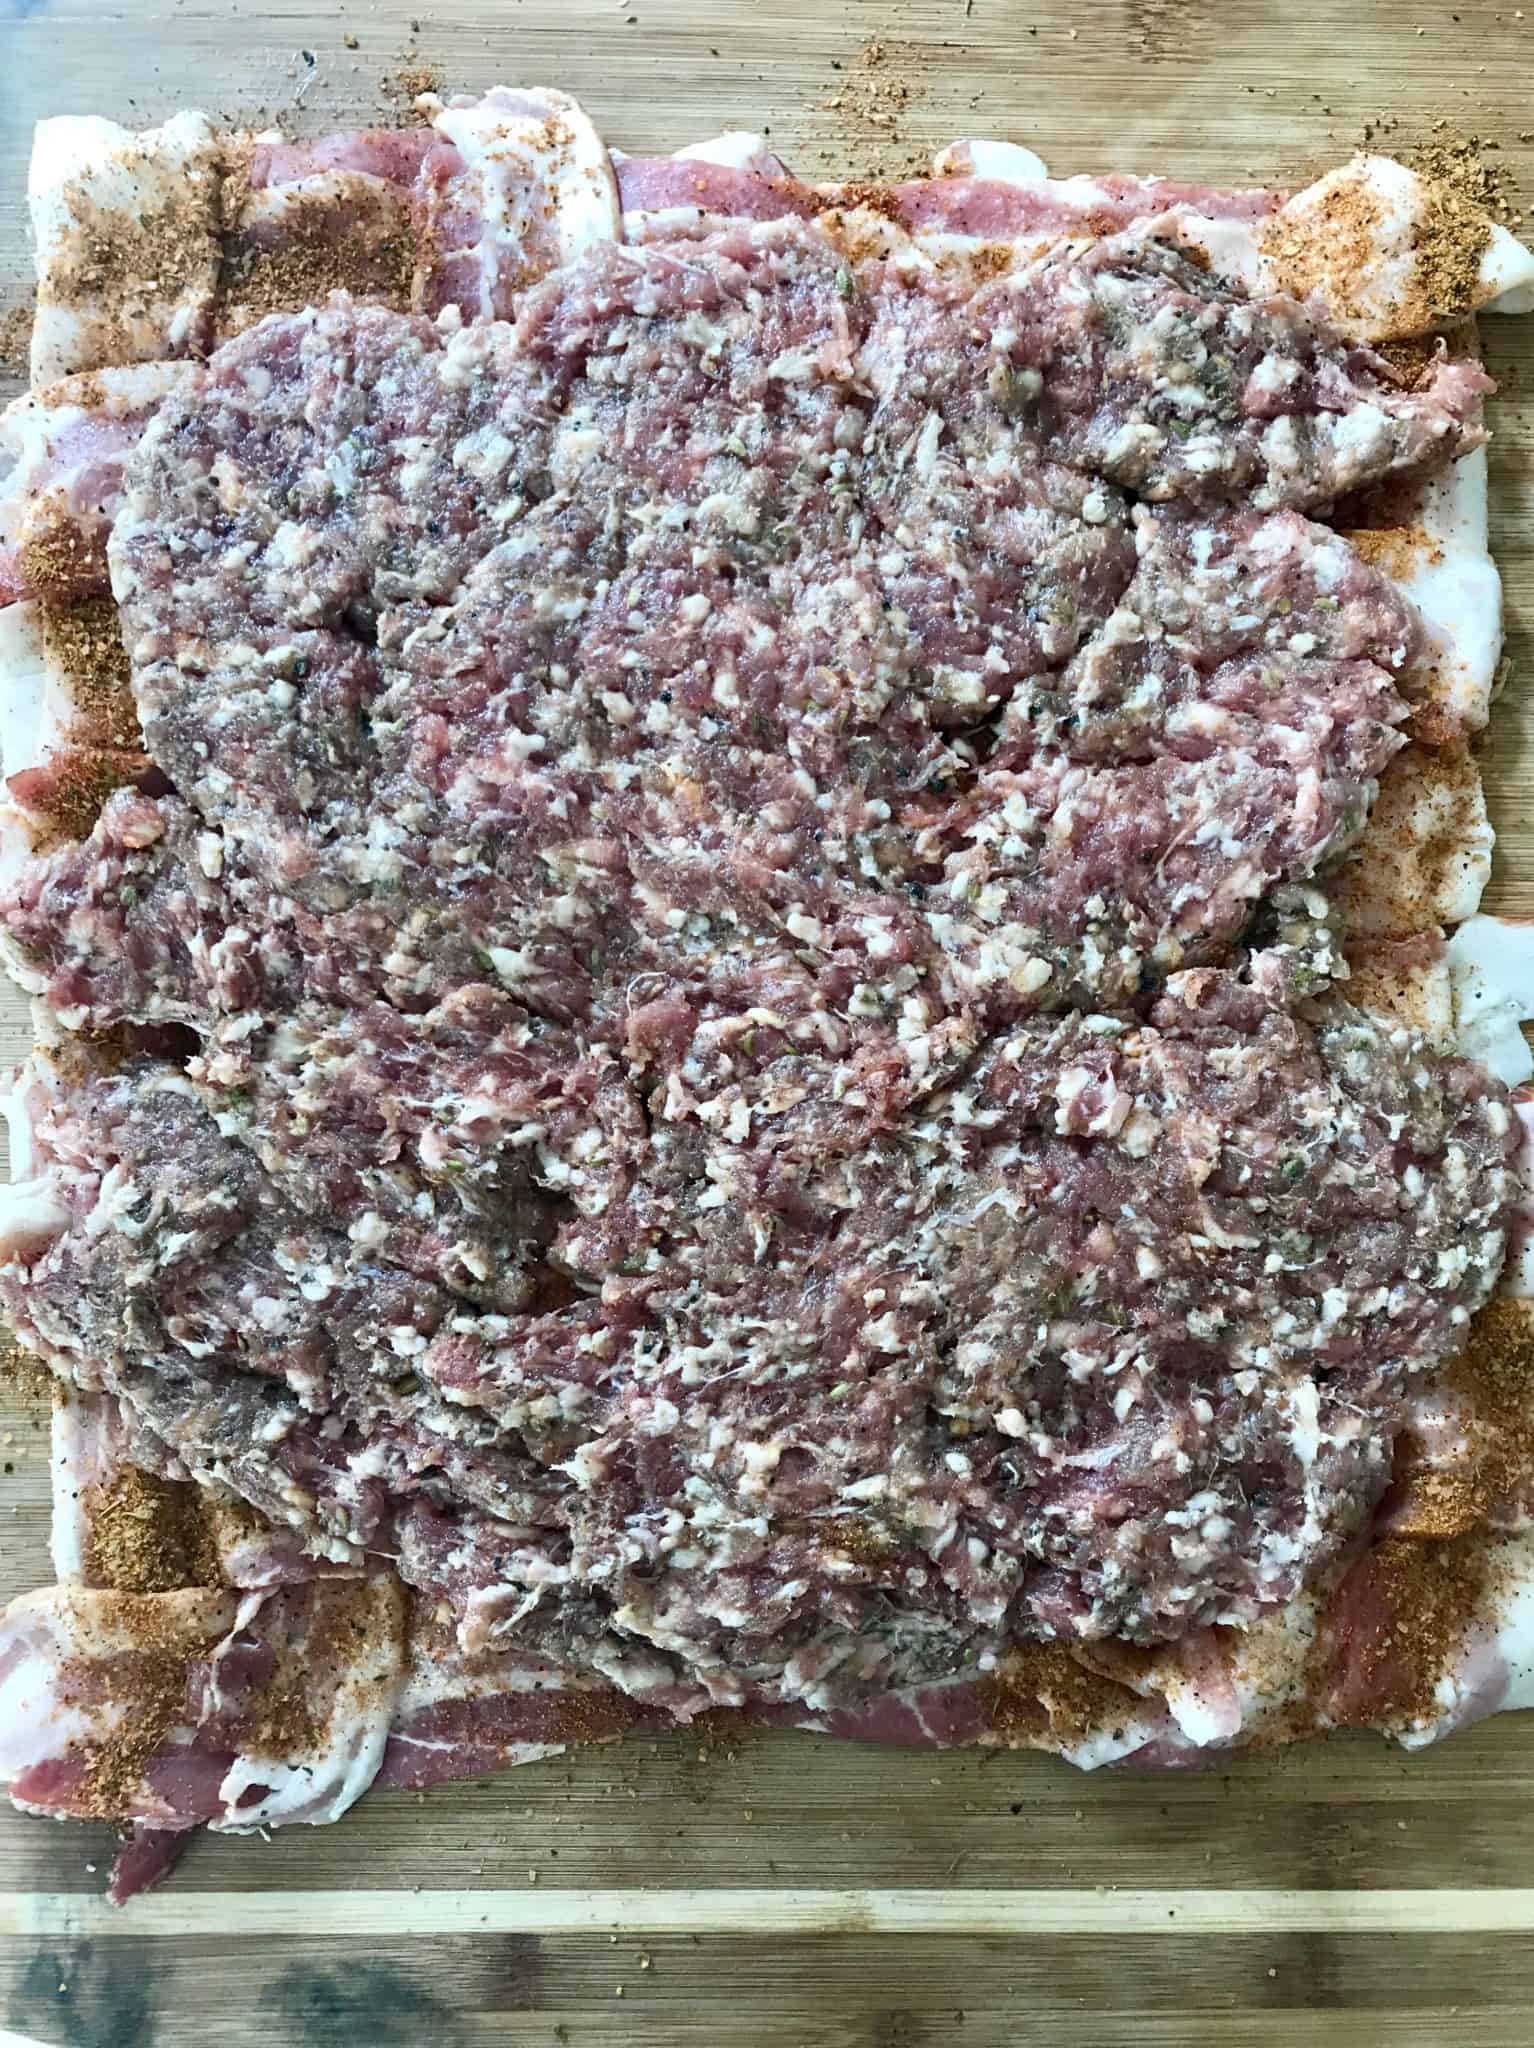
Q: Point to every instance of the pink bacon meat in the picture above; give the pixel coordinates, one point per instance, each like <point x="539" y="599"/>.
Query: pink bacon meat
<point x="62" y="452"/>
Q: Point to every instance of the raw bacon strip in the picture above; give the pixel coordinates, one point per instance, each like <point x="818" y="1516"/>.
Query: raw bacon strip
<point x="88" y="1451"/>
<point x="178" y="1708"/>
<point x="68" y="726"/>
<point x="303" y="219"/>
<point x="388" y="156"/>
<point x="1429" y="535"/>
<point x="685" y="194"/>
<point x="519" y="184"/>
<point x="127" y="234"/>
<point x="996" y="210"/>
<point x="149" y="245"/>
<point x="82" y="1672"/>
<point x="461" y="1716"/>
<point x="1408" y="1639"/>
<point x="691" y="193"/>
<point x="1354" y="240"/>
<point x="147" y="1858"/>
<point x="1360" y="240"/>
<point x="62" y="451"/>
<point x="1463" y="1462"/>
<point x="1425" y="855"/>
<point x="1091" y="1709"/>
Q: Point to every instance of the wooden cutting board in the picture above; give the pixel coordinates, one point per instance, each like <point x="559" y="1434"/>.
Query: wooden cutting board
<point x="779" y="1891"/>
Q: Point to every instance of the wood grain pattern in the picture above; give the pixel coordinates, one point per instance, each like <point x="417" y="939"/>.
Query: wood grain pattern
<point x="1342" y="1895"/>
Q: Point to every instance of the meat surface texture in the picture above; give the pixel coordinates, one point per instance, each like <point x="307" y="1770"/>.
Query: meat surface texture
<point x="709" y="1038"/>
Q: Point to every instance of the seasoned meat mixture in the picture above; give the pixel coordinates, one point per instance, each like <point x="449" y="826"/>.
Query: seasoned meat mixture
<point x="737" y="861"/>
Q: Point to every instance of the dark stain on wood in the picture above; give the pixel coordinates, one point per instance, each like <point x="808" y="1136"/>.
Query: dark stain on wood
<point x="88" y="1996"/>
<point x="313" y="2007"/>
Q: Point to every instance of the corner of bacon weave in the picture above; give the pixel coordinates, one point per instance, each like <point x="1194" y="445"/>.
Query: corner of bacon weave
<point x="753" y="916"/>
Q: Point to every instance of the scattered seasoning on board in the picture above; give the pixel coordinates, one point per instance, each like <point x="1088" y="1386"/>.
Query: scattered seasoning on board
<point x="16" y="338"/>
<point x="21" y="1375"/>
<point x="1463" y="166"/>
<point x="406" y="85"/>
<point x="872" y="94"/>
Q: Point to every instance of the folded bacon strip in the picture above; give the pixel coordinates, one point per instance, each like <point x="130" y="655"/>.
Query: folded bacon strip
<point x="305" y="218"/>
<point x="201" y="1705"/>
<point x="62" y="450"/>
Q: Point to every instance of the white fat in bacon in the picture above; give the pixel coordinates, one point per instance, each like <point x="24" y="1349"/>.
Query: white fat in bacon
<point x="1008" y="163"/>
<point x="524" y="185"/>
<point x="1509" y="1649"/>
<point x="1425" y="856"/>
<point x="1439" y="555"/>
<point x="1373" y="276"/>
<point x="32" y="1211"/>
<point x="350" y="1699"/>
<point x="31" y="1218"/>
<point x="1408" y="980"/>
<point x="61" y="454"/>
<point x="738" y="149"/>
<point x="1491" y="960"/>
<point x="87" y="1450"/>
<point x="127" y="242"/>
<point x="35" y="712"/>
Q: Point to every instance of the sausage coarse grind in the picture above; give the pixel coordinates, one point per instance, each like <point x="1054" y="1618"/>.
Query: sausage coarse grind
<point x="740" y="863"/>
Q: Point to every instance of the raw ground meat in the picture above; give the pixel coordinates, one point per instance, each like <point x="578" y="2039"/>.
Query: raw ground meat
<point x="789" y="1443"/>
<point x="708" y="842"/>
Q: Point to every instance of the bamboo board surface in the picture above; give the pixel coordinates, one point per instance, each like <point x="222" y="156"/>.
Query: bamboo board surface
<point x="781" y="1891"/>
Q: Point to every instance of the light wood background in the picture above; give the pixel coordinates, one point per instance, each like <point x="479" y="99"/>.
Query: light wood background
<point x="781" y="1892"/>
